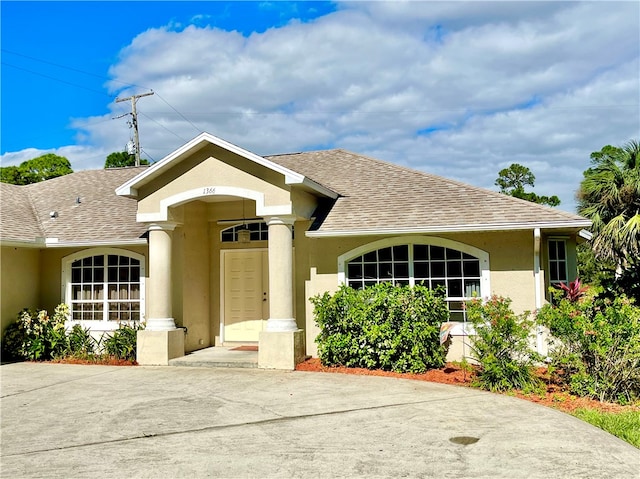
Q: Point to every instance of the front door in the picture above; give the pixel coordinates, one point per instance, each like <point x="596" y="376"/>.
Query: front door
<point x="246" y="301"/>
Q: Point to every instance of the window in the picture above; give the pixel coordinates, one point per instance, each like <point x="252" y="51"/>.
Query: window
<point x="258" y="231"/>
<point x="459" y="273"/>
<point x="108" y="286"/>
<point x="557" y="261"/>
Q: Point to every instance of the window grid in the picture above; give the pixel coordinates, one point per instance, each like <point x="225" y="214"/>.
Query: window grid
<point x="557" y="262"/>
<point x="118" y="276"/>
<point x="258" y="231"/>
<point x="432" y="266"/>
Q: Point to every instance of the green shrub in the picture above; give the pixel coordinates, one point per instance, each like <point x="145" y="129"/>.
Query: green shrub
<point x="37" y="336"/>
<point x="81" y="343"/>
<point x="121" y="344"/>
<point x="501" y="346"/>
<point x="595" y="346"/>
<point x="394" y="328"/>
<point x="12" y="342"/>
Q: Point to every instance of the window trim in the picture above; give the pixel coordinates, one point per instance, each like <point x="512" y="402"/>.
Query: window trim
<point x="562" y="240"/>
<point x="101" y="325"/>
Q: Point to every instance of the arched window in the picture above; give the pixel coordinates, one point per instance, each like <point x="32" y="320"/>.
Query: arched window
<point x="431" y="262"/>
<point x="105" y="285"/>
<point x="258" y="231"/>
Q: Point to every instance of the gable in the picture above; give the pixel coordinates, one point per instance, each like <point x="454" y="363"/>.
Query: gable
<point x="210" y="179"/>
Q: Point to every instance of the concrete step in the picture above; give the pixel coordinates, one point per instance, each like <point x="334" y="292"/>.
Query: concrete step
<point x="218" y="357"/>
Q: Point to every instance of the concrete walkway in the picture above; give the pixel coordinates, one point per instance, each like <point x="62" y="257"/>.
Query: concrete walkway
<point x="66" y="421"/>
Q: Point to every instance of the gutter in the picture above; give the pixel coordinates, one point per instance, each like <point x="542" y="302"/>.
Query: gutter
<point x="450" y="229"/>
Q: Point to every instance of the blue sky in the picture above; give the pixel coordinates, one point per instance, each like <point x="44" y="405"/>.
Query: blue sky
<point x="457" y="89"/>
<point x="56" y="55"/>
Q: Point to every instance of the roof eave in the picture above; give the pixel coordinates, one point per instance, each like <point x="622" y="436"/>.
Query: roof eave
<point x="450" y="229"/>
<point x="22" y="243"/>
<point x="56" y="243"/>
<point x="318" y="188"/>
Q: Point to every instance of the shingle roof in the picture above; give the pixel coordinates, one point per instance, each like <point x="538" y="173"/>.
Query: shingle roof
<point x="375" y="196"/>
<point x="380" y="196"/>
<point x="101" y="215"/>
<point x="18" y="221"/>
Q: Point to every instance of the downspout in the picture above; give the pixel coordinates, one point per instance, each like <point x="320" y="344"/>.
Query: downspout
<point x="538" y="287"/>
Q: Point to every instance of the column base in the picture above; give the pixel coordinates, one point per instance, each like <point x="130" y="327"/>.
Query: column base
<point x="160" y="324"/>
<point x="281" y="349"/>
<point x="156" y="348"/>
<point x="281" y="325"/>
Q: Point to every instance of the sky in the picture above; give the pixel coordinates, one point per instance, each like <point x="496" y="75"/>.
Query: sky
<point x="458" y="89"/>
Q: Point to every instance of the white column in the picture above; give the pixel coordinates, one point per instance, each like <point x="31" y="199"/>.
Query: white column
<point x="280" y="274"/>
<point x="537" y="240"/>
<point x="159" y="307"/>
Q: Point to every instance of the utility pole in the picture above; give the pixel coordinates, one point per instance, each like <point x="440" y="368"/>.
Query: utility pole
<point x="134" y="116"/>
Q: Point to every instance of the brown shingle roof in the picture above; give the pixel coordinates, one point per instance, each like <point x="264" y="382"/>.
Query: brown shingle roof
<point x="376" y="195"/>
<point x="101" y="215"/>
<point x="18" y="221"/>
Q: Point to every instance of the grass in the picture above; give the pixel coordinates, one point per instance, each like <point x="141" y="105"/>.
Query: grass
<point x="625" y="425"/>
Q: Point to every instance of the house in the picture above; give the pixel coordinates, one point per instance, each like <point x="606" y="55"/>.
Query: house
<point x="214" y="245"/>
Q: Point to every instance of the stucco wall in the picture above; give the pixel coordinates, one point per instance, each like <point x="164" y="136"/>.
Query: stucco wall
<point x="191" y="273"/>
<point x="32" y="278"/>
<point x="212" y="172"/>
<point x="20" y="286"/>
<point x="511" y="259"/>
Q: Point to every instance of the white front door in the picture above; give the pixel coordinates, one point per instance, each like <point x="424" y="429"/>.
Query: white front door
<point x="246" y="288"/>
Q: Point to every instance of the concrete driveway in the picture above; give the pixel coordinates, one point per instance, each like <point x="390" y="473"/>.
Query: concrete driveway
<point x="66" y="421"/>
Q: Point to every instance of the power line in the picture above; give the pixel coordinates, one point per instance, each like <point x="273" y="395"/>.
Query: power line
<point x="199" y="130"/>
<point x="162" y="126"/>
<point x="102" y="77"/>
<point x="56" y="79"/>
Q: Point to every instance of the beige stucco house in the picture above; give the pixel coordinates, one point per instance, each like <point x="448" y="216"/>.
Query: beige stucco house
<point x="214" y="245"/>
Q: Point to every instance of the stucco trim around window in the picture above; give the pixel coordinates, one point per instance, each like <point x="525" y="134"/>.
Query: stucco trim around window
<point x="66" y="281"/>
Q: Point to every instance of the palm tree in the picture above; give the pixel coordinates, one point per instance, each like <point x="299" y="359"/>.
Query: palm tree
<point x="609" y="196"/>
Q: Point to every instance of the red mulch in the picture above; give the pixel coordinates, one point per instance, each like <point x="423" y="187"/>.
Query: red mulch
<point x="452" y="374"/>
<point x="96" y="362"/>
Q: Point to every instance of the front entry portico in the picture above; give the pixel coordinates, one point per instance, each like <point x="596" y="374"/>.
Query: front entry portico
<point x="247" y="293"/>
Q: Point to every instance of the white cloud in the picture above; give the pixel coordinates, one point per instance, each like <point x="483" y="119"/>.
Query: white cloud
<point x="458" y="89"/>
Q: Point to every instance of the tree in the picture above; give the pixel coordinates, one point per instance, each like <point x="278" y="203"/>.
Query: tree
<point x="37" y="169"/>
<point x="512" y="181"/>
<point x="609" y="196"/>
<point x="11" y="174"/>
<point x="119" y="159"/>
